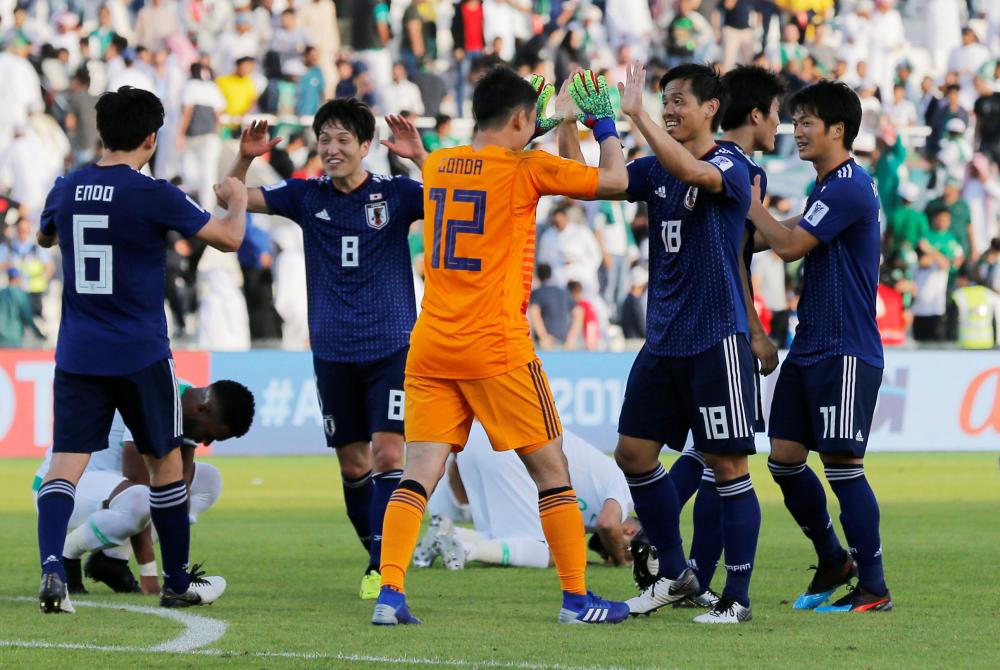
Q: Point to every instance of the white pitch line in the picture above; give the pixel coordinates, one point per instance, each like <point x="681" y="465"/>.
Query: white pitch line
<point x="354" y="658"/>
<point x="199" y="631"/>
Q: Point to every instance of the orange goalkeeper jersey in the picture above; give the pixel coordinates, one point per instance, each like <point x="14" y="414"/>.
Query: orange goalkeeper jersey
<point x="479" y="246"/>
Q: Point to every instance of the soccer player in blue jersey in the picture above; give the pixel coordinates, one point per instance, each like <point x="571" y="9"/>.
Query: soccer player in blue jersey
<point x="111" y="223"/>
<point x="361" y="300"/>
<point x="826" y="392"/>
<point x="695" y="371"/>
<point x="749" y="123"/>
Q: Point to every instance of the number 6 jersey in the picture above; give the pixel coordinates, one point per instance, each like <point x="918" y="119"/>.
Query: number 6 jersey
<point x="479" y="242"/>
<point x="358" y="272"/>
<point x="112" y="223"/>
<point x="695" y="290"/>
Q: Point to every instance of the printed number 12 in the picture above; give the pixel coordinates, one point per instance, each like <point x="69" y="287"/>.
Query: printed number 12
<point x="475" y="226"/>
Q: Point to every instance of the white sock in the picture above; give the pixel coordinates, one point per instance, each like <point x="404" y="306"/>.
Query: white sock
<point x="206" y="487"/>
<point x="527" y="552"/>
<point x="127" y="514"/>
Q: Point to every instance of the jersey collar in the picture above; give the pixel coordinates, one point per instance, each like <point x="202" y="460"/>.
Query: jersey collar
<point x="358" y="189"/>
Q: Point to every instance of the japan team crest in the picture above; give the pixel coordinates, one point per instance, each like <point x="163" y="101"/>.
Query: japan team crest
<point x="377" y="214"/>
<point x="691" y="197"/>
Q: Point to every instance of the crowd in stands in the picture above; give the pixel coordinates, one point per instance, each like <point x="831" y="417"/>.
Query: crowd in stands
<point x="927" y="73"/>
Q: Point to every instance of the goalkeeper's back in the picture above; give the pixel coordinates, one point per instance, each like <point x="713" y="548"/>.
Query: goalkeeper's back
<point x="479" y="241"/>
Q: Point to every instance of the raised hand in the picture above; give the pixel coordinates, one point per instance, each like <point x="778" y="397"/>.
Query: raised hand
<point x="543" y="93"/>
<point x="232" y="192"/>
<point x="254" y="140"/>
<point x="631" y="91"/>
<point x="405" y="142"/>
<point x="590" y="93"/>
<point x="565" y="108"/>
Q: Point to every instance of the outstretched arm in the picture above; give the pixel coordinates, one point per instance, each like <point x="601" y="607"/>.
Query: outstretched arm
<point x="406" y="142"/>
<point x="790" y="243"/>
<point x="675" y="159"/>
<point x="254" y="142"/>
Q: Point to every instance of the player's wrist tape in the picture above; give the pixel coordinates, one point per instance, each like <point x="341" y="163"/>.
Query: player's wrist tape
<point x="605" y="128"/>
<point x="148" y="569"/>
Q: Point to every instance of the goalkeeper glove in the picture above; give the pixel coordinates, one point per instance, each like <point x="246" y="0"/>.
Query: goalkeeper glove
<point x="590" y="93"/>
<point x="543" y="93"/>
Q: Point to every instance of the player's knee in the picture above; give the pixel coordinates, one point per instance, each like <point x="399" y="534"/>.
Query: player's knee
<point x="786" y="452"/>
<point x="387" y="451"/>
<point x="727" y="467"/>
<point x="355" y="459"/>
<point x="206" y="487"/>
<point x="632" y="456"/>
<point x="132" y="504"/>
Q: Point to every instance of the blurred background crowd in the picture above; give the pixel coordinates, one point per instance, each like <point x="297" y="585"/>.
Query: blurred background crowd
<point x="927" y="73"/>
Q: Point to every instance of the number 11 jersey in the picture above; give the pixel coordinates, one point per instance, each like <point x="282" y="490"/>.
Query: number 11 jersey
<point x="479" y="254"/>
<point x="112" y="223"/>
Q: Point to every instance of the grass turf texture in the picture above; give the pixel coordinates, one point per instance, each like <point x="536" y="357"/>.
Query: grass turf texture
<point x="280" y="536"/>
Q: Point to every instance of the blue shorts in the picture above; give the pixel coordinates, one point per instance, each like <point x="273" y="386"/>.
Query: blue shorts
<point x="827" y="406"/>
<point x="710" y="394"/>
<point x="149" y="402"/>
<point x="358" y="399"/>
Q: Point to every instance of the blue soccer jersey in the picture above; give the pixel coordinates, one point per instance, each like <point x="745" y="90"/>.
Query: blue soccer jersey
<point x="112" y="224"/>
<point x="358" y="273"/>
<point x="695" y="291"/>
<point x="840" y="276"/>
<point x="754" y="171"/>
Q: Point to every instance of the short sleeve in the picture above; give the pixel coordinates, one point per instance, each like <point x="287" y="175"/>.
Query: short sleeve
<point x="285" y="198"/>
<point x="638" y="178"/>
<point x="838" y="206"/>
<point x="175" y="210"/>
<point x="735" y="178"/>
<point x="551" y="175"/>
<point x="52" y="200"/>
<point x="411" y="195"/>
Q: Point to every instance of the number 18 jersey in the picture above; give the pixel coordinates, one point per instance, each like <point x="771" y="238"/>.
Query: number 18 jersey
<point x="112" y="223"/>
<point x="479" y="242"/>
<point x="695" y="290"/>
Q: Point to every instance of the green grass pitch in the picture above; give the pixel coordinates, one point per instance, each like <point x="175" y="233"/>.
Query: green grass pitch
<point x="280" y="537"/>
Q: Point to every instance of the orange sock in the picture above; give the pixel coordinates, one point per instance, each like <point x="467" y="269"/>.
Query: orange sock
<point x="400" y="531"/>
<point x="562" y="524"/>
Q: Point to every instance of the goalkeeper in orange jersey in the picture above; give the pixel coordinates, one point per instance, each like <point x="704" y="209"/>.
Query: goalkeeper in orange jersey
<point x="471" y="353"/>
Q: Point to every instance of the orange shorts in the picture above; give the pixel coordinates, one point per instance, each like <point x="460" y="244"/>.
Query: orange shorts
<point x="516" y="409"/>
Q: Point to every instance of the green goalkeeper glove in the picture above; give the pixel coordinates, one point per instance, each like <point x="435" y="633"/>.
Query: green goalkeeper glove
<point x="543" y="93"/>
<point x="590" y="93"/>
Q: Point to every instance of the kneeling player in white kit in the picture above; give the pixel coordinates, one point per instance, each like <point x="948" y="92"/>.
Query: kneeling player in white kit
<point x="111" y="516"/>
<point x="503" y="502"/>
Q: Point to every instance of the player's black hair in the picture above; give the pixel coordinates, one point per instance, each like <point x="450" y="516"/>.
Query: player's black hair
<point x="749" y="87"/>
<point x="350" y="114"/>
<point x="126" y="117"/>
<point x="235" y="405"/>
<point x="705" y="85"/>
<point x="499" y="94"/>
<point x="833" y="102"/>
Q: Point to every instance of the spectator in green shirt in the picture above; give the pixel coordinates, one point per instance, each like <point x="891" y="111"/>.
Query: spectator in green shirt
<point x="906" y="227"/>
<point x="15" y="312"/>
<point x="959" y="210"/>
<point x="440" y="137"/>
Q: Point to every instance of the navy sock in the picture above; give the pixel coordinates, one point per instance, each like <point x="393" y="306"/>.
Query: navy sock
<point x="859" y="514"/>
<point x="660" y="514"/>
<point x="358" y="500"/>
<point x="806" y="500"/>
<point x="55" y="507"/>
<point x="685" y="474"/>
<point x="168" y="508"/>
<point x="706" y="543"/>
<point x="740" y="528"/>
<point x="383" y="484"/>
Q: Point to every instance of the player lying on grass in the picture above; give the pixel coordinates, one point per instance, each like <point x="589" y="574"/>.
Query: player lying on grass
<point x="471" y="354"/>
<point x="694" y="373"/>
<point x="361" y="299"/>
<point x="113" y="353"/>
<point x="111" y="512"/>
<point x="826" y="392"/>
<point x="503" y="502"/>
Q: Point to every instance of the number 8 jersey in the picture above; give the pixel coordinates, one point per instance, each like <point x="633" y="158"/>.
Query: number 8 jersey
<point x="112" y="223"/>
<point x="695" y="290"/>
<point x="479" y="242"/>
<point x="358" y="272"/>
